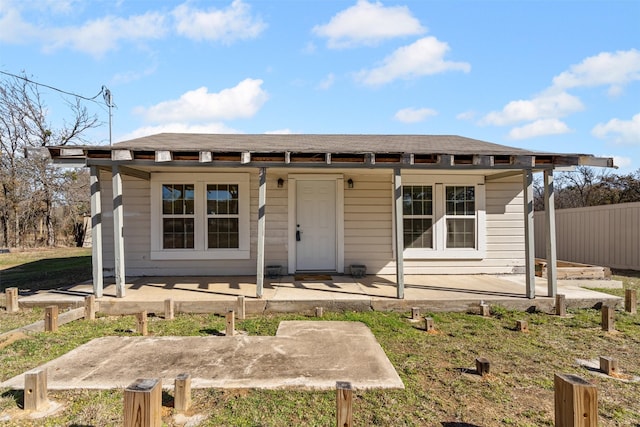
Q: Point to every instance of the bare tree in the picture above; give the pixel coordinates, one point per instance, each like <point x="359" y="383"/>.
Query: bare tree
<point x="29" y="186"/>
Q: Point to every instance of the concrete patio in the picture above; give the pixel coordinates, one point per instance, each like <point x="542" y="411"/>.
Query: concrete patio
<point x="337" y="292"/>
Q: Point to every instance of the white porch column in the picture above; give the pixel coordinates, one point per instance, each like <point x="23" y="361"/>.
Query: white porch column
<point x="118" y="230"/>
<point x="96" y="231"/>
<point x="550" y="226"/>
<point x="529" y="242"/>
<point x="397" y="185"/>
<point x="262" y="196"/>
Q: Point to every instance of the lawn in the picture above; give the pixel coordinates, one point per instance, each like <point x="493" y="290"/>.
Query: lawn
<point x="435" y="368"/>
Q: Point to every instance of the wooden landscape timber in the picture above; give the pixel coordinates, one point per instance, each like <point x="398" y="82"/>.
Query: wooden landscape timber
<point x="573" y="270"/>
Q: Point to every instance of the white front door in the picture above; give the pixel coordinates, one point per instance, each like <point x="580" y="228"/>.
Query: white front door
<point x="316" y="225"/>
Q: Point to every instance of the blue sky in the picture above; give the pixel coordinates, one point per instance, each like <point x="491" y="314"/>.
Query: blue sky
<point x="561" y="76"/>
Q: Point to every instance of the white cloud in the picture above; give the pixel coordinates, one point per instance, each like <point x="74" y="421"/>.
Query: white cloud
<point x="368" y="24"/>
<point x="605" y="69"/>
<point x="13" y="29"/>
<point x="286" y="131"/>
<point x="241" y="101"/>
<point x="424" y="57"/>
<point x="414" y="115"/>
<point x="539" y="128"/>
<point x="177" y="128"/>
<point x="227" y="25"/>
<point x="548" y="105"/>
<point x="620" y="161"/>
<point x="467" y="115"/>
<point x="131" y="76"/>
<point x="327" y="82"/>
<point x="619" y="131"/>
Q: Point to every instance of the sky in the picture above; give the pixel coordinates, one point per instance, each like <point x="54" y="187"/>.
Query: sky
<point x="553" y="76"/>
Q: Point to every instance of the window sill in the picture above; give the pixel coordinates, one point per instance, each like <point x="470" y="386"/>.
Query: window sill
<point x="191" y="254"/>
<point x="472" y="254"/>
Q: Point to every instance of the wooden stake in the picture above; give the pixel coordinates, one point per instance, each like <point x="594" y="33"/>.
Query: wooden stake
<point x="168" y="309"/>
<point x="576" y="402"/>
<point x="51" y="318"/>
<point x="182" y="393"/>
<point x="241" y="308"/>
<point x="344" y="404"/>
<point x="142" y="323"/>
<point x="483" y="366"/>
<point x="561" y="305"/>
<point x="143" y="403"/>
<point x="485" y="310"/>
<point x="415" y="313"/>
<point x="522" y="326"/>
<point x="608" y="318"/>
<point x="90" y="307"/>
<point x="35" y="390"/>
<point x="11" y="295"/>
<point x="429" y="326"/>
<point x="631" y="301"/>
<point x="231" y="326"/>
<point x="319" y="311"/>
<point x="608" y="365"/>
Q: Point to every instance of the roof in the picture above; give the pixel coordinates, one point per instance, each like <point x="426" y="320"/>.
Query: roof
<point x="424" y="151"/>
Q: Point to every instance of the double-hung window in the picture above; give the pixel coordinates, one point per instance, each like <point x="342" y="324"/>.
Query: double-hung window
<point x="443" y="219"/>
<point x="200" y="216"/>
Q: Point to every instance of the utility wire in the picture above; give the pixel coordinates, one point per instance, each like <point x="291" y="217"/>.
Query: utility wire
<point x="55" y="88"/>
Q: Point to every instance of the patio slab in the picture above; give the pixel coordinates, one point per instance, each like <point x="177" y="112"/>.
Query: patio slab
<point x="304" y="355"/>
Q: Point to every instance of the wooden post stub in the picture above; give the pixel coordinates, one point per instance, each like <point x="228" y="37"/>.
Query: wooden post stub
<point x="182" y="393"/>
<point x="631" y="301"/>
<point x="576" y="402"/>
<point x="485" y="310"/>
<point x="90" y="307"/>
<point x="241" y="308"/>
<point x="429" y="326"/>
<point x="142" y="323"/>
<point x="11" y="295"/>
<point x="608" y="318"/>
<point x="344" y="404"/>
<point x="319" y="311"/>
<point x="231" y="324"/>
<point x="143" y="403"/>
<point x="483" y="366"/>
<point x="561" y="305"/>
<point x="51" y="318"/>
<point x="169" y="307"/>
<point x="415" y="313"/>
<point x="522" y="326"/>
<point x="608" y="365"/>
<point x="35" y="390"/>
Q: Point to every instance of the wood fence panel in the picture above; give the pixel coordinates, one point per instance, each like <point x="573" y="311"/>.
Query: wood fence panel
<point x="607" y="235"/>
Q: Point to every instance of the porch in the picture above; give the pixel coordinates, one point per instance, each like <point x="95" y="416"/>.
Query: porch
<point x="302" y="294"/>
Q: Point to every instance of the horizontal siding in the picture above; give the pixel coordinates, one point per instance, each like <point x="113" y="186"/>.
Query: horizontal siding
<point x="368" y="229"/>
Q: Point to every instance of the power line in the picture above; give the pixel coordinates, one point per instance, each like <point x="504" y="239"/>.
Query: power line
<point x="26" y="79"/>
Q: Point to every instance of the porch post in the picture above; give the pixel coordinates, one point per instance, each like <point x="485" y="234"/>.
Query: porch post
<point x="550" y="225"/>
<point x="529" y="248"/>
<point x="118" y="230"/>
<point x="262" y="196"/>
<point x="96" y="231"/>
<point x="397" y="184"/>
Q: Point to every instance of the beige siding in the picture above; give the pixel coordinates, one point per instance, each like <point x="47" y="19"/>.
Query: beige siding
<point x="598" y="235"/>
<point x="368" y="225"/>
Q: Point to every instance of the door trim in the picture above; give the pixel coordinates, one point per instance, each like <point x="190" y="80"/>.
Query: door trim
<point x="292" y="193"/>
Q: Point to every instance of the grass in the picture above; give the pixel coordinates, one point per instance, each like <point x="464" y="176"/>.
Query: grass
<point x="518" y="392"/>
<point x="440" y="390"/>
<point x="44" y="268"/>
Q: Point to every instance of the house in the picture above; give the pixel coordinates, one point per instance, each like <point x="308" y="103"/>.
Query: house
<point x="198" y="204"/>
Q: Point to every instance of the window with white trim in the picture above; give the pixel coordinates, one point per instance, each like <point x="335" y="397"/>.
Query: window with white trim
<point x="200" y="216"/>
<point x="443" y="220"/>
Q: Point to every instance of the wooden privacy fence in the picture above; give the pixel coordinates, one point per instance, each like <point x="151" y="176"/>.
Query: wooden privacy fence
<point x="606" y="235"/>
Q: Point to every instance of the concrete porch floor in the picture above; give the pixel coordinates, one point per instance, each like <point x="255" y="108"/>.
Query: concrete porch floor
<point x="341" y="292"/>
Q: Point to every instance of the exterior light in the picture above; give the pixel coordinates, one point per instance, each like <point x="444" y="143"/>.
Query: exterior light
<point x="280" y="182"/>
<point x="350" y="183"/>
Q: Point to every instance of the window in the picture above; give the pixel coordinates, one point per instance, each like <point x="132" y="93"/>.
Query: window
<point x="417" y="209"/>
<point x="200" y="216"/>
<point x="443" y="220"/>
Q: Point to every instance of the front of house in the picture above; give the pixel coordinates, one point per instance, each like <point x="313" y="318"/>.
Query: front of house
<point x="215" y="205"/>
